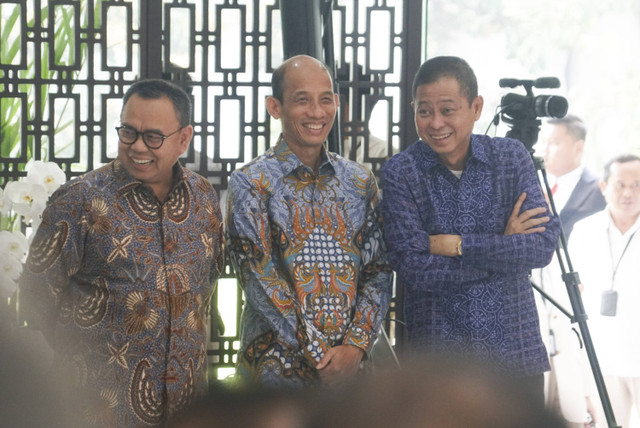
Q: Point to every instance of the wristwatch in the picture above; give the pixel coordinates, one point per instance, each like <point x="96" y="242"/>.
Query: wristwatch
<point x="459" y="247"/>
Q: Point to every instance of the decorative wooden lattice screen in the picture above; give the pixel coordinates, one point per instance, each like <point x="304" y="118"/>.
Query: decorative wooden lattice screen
<point x="65" y="64"/>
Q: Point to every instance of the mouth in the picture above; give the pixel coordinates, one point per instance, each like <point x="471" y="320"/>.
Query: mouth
<point x="314" y="126"/>
<point x="440" y="137"/>
<point x="141" y="161"/>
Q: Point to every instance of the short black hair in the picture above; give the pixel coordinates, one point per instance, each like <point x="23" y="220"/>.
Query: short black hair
<point x="574" y="125"/>
<point x="151" y="89"/>
<point x="277" y="80"/>
<point x="447" y="66"/>
<point x="628" y="157"/>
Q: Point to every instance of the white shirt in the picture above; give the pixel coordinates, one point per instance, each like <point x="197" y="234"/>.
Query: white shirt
<point x="596" y="246"/>
<point x="565" y="185"/>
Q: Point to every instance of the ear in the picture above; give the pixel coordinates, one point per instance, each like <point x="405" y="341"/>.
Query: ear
<point x="476" y="106"/>
<point x="602" y="184"/>
<point x="274" y="107"/>
<point x="185" y="138"/>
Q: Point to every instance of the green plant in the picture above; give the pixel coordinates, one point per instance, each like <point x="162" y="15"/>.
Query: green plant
<point x="12" y="112"/>
<point x="10" y="108"/>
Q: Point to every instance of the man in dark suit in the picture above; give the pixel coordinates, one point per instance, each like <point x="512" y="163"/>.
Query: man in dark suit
<point x="576" y="195"/>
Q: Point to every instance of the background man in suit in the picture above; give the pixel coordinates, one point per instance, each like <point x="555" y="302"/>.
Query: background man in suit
<point x="576" y="195"/>
<point x="575" y="189"/>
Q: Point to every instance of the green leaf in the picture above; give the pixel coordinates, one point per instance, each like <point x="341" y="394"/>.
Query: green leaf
<point x="9" y="54"/>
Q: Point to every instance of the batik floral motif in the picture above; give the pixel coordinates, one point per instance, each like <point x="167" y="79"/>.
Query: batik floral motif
<point x="120" y="284"/>
<point x="309" y="255"/>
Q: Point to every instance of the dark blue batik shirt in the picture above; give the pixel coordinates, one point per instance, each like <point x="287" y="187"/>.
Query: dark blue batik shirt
<point x="479" y="305"/>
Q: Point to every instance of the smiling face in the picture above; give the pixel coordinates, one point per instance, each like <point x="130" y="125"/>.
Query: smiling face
<point x="153" y="167"/>
<point x="308" y="106"/>
<point x="444" y="119"/>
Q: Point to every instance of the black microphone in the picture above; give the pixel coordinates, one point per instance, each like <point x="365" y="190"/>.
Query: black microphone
<point x="509" y="83"/>
<point x="540" y="82"/>
<point x="547" y="82"/>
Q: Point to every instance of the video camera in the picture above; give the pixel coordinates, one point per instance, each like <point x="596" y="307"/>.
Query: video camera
<point x="522" y="112"/>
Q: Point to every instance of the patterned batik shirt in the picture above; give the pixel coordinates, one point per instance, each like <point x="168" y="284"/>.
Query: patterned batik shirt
<point x="308" y="253"/>
<point x="120" y="284"/>
<point x="481" y="304"/>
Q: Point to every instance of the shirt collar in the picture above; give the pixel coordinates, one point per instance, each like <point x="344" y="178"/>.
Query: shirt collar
<point x="612" y="225"/>
<point x="477" y="150"/>
<point x="570" y="179"/>
<point x="289" y="162"/>
<point x="126" y="183"/>
<point x="563" y="187"/>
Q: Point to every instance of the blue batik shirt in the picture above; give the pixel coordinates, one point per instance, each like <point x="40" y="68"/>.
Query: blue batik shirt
<point x="479" y="305"/>
<point x="308" y="252"/>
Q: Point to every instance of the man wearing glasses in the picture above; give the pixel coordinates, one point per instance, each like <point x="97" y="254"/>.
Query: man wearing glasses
<point x="121" y="271"/>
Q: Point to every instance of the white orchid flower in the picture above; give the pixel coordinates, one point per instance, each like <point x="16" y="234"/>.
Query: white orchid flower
<point x="46" y="174"/>
<point x="11" y="267"/>
<point x="13" y="244"/>
<point x="8" y="285"/>
<point x="5" y="204"/>
<point x="37" y="208"/>
<point x="22" y="196"/>
<point x="5" y="200"/>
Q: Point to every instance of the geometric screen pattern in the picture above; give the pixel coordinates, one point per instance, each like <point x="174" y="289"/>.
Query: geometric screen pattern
<point x="65" y="65"/>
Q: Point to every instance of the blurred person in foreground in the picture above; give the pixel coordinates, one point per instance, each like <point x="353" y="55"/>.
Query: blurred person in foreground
<point x="306" y="242"/>
<point x="605" y="249"/>
<point x="435" y="391"/>
<point x="465" y="222"/>
<point x="121" y="271"/>
<point x="232" y="407"/>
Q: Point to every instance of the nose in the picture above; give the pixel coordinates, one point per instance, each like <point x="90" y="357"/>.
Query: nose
<point x="139" y="145"/>
<point x="628" y="191"/>
<point x="437" y="120"/>
<point x="315" y="109"/>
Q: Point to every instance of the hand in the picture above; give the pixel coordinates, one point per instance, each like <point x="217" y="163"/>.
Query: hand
<point x="444" y="245"/>
<point x="339" y="364"/>
<point x="525" y="223"/>
<point x="591" y="410"/>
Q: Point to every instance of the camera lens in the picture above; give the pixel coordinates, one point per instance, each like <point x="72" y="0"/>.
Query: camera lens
<point x="550" y="106"/>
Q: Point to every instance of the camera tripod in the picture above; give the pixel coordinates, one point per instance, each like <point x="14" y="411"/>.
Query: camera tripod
<point x="527" y="132"/>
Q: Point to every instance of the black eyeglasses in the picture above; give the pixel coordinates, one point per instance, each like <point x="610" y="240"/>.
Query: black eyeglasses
<point x="151" y="139"/>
